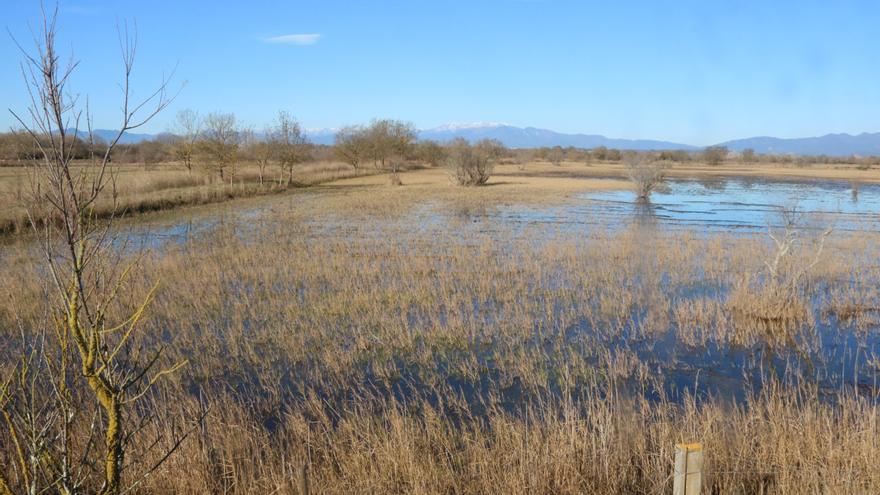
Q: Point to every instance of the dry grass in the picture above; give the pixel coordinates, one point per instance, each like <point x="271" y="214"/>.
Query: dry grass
<point x="391" y="352"/>
<point x="167" y="186"/>
<point x="699" y="170"/>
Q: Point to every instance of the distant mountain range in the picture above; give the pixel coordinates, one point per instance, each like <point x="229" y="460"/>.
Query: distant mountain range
<point x="127" y="138"/>
<point x="864" y="144"/>
<point x="530" y="137"/>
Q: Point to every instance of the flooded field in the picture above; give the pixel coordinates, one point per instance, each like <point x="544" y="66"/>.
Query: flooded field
<point x="670" y="285"/>
<point x="723" y="205"/>
<point x="711" y="205"/>
<point x="332" y="320"/>
<point x="829" y="351"/>
<point x="734" y="205"/>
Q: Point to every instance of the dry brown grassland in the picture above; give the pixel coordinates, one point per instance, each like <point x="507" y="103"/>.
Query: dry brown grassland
<point x="160" y="187"/>
<point x="141" y="189"/>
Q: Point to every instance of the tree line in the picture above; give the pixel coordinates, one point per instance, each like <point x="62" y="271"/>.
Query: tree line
<point x="218" y="143"/>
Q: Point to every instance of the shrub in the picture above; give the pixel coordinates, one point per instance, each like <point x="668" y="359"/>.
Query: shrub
<point x="614" y="155"/>
<point x="430" y="152"/>
<point x="492" y="149"/>
<point x="645" y="172"/>
<point x="779" y="297"/>
<point x="715" y="155"/>
<point x="675" y="156"/>
<point x="556" y="155"/>
<point x="468" y="166"/>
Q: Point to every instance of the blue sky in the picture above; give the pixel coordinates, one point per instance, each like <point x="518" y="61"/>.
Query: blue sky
<point x="697" y="72"/>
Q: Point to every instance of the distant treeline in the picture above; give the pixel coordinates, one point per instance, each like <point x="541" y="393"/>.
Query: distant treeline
<point x="712" y="155"/>
<point x="217" y="141"/>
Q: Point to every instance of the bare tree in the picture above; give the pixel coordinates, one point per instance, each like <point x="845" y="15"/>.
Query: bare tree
<point x="786" y="275"/>
<point x="778" y="295"/>
<point x="352" y="145"/>
<point x="187" y="128"/>
<point x="247" y="138"/>
<point x="263" y="152"/>
<point x="220" y="143"/>
<point x="715" y="155"/>
<point x="468" y="165"/>
<point x="91" y="360"/>
<point x="430" y="152"/>
<point x="555" y="155"/>
<point x="17" y="147"/>
<point x="390" y="142"/>
<point x="679" y="156"/>
<point x="645" y="172"/>
<point x="588" y="157"/>
<point x="749" y="156"/>
<point x="492" y="149"/>
<point x="378" y="137"/>
<point x="290" y="145"/>
<point x="252" y="148"/>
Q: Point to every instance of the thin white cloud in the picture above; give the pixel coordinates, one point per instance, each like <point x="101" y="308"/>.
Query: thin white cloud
<point x="294" y="39"/>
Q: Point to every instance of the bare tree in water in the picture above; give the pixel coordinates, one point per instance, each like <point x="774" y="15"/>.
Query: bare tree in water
<point x="645" y="172"/>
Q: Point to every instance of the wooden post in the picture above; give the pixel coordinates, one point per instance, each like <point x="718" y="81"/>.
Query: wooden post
<point x="304" y="480"/>
<point x="688" y="469"/>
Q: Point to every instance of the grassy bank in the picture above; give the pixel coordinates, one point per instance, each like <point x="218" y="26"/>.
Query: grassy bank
<point x="166" y="186"/>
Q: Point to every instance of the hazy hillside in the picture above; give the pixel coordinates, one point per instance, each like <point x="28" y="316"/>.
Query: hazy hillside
<point x="830" y="144"/>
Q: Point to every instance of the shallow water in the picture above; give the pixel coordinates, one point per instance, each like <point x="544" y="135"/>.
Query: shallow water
<point x="734" y="205"/>
<point x="833" y="355"/>
<point x="717" y="205"/>
<point x="740" y="204"/>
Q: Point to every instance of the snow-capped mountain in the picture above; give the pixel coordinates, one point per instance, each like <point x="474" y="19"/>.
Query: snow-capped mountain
<point x="464" y="126"/>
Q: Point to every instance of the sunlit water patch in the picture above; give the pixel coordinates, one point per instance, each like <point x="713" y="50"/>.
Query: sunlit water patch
<point x="737" y="204"/>
<point x="712" y="205"/>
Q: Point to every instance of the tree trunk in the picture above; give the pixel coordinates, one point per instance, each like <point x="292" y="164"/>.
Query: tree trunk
<point x="113" y="438"/>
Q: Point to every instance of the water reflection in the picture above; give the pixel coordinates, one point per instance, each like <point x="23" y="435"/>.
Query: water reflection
<point x="644" y="215"/>
<point x="747" y="204"/>
<point x="470" y="213"/>
<point x="713" y="184"/>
